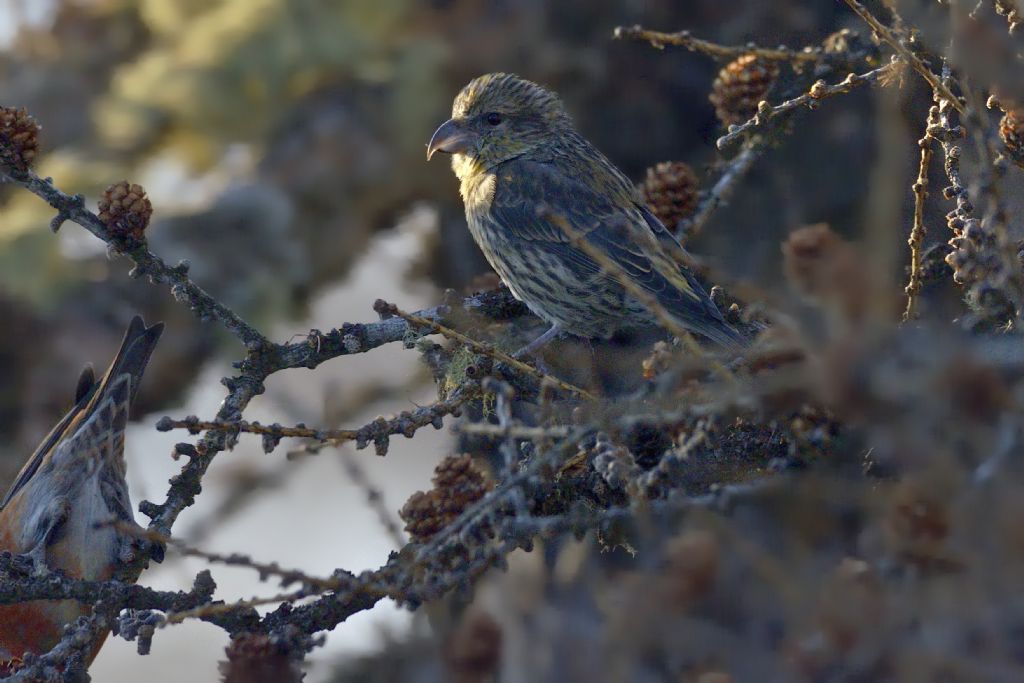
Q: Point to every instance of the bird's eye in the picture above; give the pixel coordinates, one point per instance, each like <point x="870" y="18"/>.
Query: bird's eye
<point x="494" y="118"/>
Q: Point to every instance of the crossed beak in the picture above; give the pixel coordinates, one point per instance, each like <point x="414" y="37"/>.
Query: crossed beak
<point x="450" y="138"/>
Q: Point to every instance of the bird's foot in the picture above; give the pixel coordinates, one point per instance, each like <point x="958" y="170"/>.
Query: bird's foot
<point x="538" y="343"/>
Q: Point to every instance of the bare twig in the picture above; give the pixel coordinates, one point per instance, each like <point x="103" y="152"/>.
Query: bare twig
<point x="213" y="610"/>
<point x="684" y="39"/>
<point x="24" y="580"/>
<point x="904" y="52"/>
<point x="918" y="231"/>
<point x="374" y="496"/>
<point x="819" y="91"/>
<point x="514" y="431"/>
<point x="722" y="499"/>
<point x="377" y="432"/>
<point x="66" y="661"/>
<point x="720" y="193"/>
<point x="480" y="348"/>
<point x="264" y="569"/>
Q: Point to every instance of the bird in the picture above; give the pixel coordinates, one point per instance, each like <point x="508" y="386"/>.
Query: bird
<point x="60" y="507"/>
<point x="534" y="189"/>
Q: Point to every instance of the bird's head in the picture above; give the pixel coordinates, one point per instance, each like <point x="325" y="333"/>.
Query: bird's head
<point x="498" y="117"/>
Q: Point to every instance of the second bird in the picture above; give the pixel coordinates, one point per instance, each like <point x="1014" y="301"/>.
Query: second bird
<point x="58" y="510"/>
<point x="534" y="188"/>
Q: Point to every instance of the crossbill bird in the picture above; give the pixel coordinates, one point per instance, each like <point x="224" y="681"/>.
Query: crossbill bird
<point x="60" y="507"/>
<point x="533" y="187"/>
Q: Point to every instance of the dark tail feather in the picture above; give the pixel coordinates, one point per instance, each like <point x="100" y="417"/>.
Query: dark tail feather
<point x="133" y="356"/>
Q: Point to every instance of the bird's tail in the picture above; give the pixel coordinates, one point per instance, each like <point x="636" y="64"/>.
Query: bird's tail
<point x="131" y="359"/>
<point x="725" y="335"/>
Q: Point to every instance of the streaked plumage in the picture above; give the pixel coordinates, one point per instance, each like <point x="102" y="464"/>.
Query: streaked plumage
<point x="73" y="482"/>
<point x="523" y="168"/>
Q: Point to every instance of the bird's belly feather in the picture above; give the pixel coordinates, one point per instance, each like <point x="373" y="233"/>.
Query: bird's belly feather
<point x="538" y="277"/>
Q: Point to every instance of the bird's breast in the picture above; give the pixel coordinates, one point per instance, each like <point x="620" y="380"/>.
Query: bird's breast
<point x="477" y="190"/>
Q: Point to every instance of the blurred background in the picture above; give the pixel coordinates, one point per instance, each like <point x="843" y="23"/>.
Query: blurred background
<point x="282" y="144"/>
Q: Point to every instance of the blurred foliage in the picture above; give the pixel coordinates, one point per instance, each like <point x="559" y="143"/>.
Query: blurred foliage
<point x="217" y="73"/>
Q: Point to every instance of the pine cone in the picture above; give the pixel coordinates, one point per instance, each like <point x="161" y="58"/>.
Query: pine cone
<point x="827" y="271"/>
<point x="1011" y="130"/>
<point x="458" y="483"/>
<point x="126" y="210"/>
<point x="258" y="658"/>
<point x="671" y="191"/>
<point x="423" y="516"/>
<point x="740" y="86"/>
<point x="19" y="138"/>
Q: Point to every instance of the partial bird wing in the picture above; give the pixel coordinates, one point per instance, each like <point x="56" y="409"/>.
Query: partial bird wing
<point x="100" y="436"/>
<point x="540" y="203"/>
<point x="96" y="444"/>
<point x="132" y="358"/>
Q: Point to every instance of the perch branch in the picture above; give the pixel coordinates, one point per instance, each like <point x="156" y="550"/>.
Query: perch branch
<point x="684" y="39"/>
<point x="480" y="348"/>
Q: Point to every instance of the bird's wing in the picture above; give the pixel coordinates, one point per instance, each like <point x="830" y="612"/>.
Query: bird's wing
<point x="132" y="358"/>
<point x="99" y="437"/>
<point x="539" y="203"/>
<point x="90" y="447"/>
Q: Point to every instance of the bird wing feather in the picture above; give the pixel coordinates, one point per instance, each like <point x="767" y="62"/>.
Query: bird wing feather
<point x="100" y="437"/>
<point x="539" y="203"/>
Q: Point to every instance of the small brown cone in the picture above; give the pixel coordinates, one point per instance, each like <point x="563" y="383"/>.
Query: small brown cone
<point x="422" y="516"/>
<point x="458" y="483"/>
<point x="19" y="138"/>
<point x="671" y="191"/>
<point x="740" y="86"/>
<point x="125" y="210"/>
<point x="256" y="658"/>
<point x="827" y="271"/>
